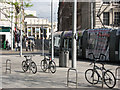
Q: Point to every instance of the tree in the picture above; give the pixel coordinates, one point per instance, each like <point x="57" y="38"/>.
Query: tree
<point x="17" y="8"/>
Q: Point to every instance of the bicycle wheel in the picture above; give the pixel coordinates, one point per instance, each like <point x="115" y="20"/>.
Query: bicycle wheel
<point x="52" y="66"/>
<point x="24" y="66"/>
<point x="33" y="67"/>
<point x="109" y="79"/>
<point x="89" y="76"/>
<point x="44" y="65"/>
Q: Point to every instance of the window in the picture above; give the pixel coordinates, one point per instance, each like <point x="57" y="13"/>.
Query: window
<point x="116" y="18"/>
<point x="116" y="2"/>
<point x="106" y="2"/>
<point x="57" y="41"/>
<point x="106" y="18"/>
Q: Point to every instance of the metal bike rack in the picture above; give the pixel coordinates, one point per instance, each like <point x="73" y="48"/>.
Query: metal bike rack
<point x="116" y="72"/>
<point x="68" y="81"/>
<point x="8" y="65"/>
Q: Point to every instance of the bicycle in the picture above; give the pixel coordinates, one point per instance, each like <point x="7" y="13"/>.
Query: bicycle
<point x="29" y="64"/>
<point x="93" y="76"/>
<point x="47" y="63"/>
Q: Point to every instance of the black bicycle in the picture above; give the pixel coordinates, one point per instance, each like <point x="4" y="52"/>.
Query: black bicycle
<point x="47" y="63"/>
<point x="29" y="64"/>
<point x="93" y="76"/>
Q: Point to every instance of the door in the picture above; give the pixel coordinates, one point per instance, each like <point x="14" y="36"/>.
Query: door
<point x="2" y="39"/>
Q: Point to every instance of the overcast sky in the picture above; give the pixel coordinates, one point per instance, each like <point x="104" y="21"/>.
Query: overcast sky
<point x="43" y="8"/>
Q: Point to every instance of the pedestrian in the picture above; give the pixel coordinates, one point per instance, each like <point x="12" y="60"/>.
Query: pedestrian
<point x="16" y="46"/>
<point x="19" y="46"/>
<point x="27" y="45"/>
<point x="30" y="45"/>
<point x="7" y="44"/>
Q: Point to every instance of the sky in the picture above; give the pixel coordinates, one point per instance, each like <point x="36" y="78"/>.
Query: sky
<point x="43" y="8"/>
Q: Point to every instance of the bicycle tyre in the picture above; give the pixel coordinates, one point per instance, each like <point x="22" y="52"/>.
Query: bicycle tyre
<point x="43" y="65"/>
<point x="107" y="74"/>
<point x="33" y="67"/>
<point x="52" y="66"/>
<point x="24" y="66"/>
<point x="90" y="80"/>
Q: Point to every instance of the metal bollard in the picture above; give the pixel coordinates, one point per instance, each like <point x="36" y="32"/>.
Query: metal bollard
<point x="116" y="72"/>
<point x="8" y="65"/>
<point x="68" y="77"/>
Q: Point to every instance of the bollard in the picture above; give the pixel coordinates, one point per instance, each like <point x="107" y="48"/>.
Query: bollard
<point x="68" y="77"/>
<point x="8" y="65"/>
<point x="116" y="72"/>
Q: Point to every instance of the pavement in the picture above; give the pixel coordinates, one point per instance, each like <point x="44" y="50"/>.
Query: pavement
<point x="19" y="79"/>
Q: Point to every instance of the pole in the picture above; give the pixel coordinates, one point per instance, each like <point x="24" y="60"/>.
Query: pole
<point x="21" y="29"/>
<point x="52" y="56"/>
<point x="74" y="34"/>
<point x="91" y="15"/>
<point x="11" y="29"/>
<point x="42" y="39"/>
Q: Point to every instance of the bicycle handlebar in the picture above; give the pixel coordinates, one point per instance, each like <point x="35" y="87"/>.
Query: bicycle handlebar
<point x="97" y="61"/>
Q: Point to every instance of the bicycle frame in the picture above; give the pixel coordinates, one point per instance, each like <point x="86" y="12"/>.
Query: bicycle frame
<point x="102" y="69"/>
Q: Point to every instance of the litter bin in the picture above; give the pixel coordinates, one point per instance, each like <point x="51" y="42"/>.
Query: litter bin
<point x="61" y="59"/>
<point x="64" y="58"/>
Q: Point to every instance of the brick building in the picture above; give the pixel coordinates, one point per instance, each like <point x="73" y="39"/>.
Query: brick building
<point x="87" y="15"/>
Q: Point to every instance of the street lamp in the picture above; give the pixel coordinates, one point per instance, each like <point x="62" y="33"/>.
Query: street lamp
<point x="21" y="28"/>
<point x="52" y="56"/>
<point x="74" y="34"/>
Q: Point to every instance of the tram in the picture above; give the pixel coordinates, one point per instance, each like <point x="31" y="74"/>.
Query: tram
<point x="91" y="42"/>
<point x="102" y="41"/>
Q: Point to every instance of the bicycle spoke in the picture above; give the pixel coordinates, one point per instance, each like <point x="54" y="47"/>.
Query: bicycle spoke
<point x="33" y="67"/>
<point x="109" y="79"/>
<point x="89" y="76"/>
<point x="52" y="66"/>
<point x="24" y="66"/>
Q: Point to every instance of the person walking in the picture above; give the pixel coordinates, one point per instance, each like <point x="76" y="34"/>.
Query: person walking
<point x="7" y="44"/>
<point x="16" y="46"/>
<point x="27" y="45"/>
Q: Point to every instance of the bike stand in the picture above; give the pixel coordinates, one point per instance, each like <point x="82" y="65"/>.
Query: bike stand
<point x="68" y="81"/>
<point x="116" y="73"/>
<point x="8" y="65"/>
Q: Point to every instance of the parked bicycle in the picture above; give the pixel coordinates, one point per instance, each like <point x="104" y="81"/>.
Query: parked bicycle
<point x="47" y="63"/>
<point x="29" y="64"/>
<point x="93" y="76"/>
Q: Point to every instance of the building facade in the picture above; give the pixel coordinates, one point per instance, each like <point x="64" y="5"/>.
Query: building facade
<point x="38" y="27"/>
<point x="65" y="13"/>
<point x="89" y="15"/>
<point x="109" y="14"/>
<point x="6" y="21"/>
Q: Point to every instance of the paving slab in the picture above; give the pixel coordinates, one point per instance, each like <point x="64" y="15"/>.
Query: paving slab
<point x="19" y="79"/>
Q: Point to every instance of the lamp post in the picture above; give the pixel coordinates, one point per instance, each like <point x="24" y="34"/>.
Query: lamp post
<point x="52" y="55"/>
<point x="21" y="28"/>
<point x="42" y="39"/>
<point x="74" y="34"/>
<point x="11" y="28"/>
